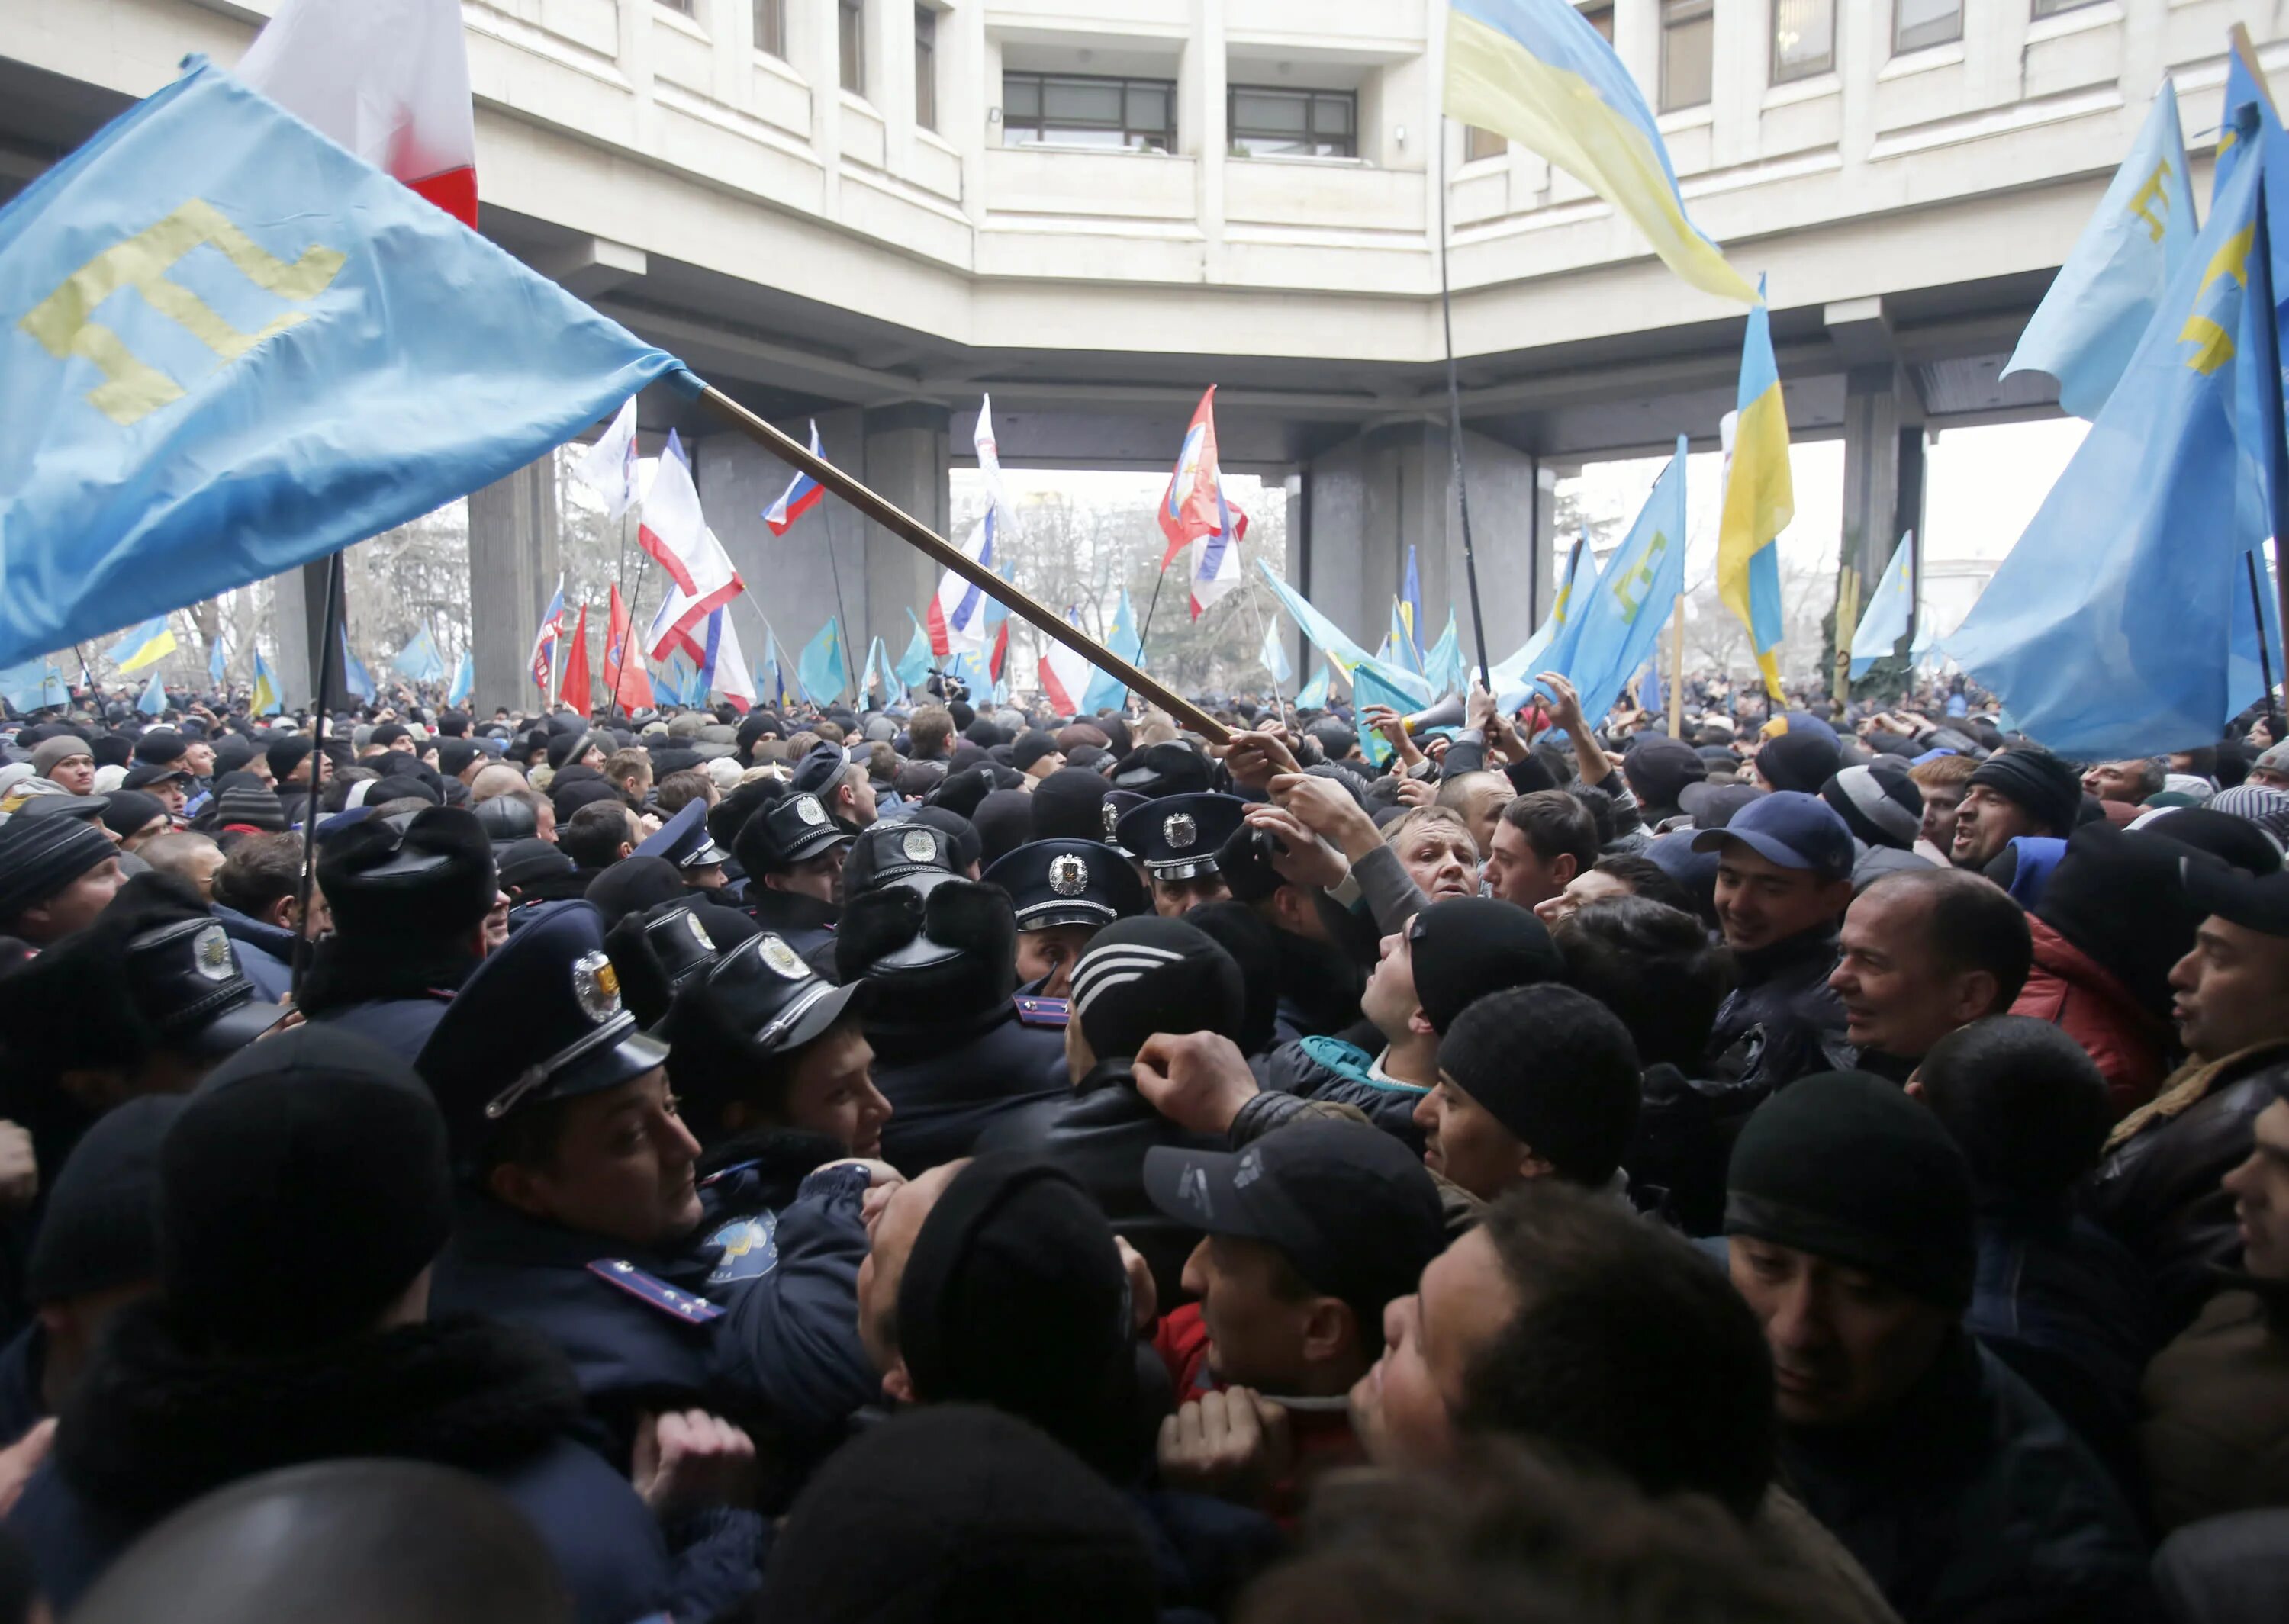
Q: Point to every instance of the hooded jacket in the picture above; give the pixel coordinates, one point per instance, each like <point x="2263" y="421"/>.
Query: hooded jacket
<point x="2088" y="1001"/>
<point x="157" y="1421"/>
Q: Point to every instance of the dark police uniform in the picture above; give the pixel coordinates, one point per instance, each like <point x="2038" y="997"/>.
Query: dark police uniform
<point x="643" y="1327"/>
<point x="684" y="841"/>
<point x="790" y="831"/>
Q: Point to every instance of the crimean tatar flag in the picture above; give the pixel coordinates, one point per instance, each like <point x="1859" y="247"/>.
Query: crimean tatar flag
<point x="1759" y="501"/>
<point x="1536" y="71"/>
<point x="389" y="79"/>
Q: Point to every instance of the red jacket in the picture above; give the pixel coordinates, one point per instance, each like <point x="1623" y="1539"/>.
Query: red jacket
<point x="2073" y="991"/>
<point x="1322" y="1438"/>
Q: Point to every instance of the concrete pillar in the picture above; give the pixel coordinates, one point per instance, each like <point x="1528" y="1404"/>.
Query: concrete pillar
<point x="1871" y="471"/>
<point x="298" y="607"/>
<point x="908" y="448"/>
<point x="513" y="567"/>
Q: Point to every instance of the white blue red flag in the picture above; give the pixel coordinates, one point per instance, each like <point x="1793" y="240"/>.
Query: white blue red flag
<point x="675" y="532"/>
<point x="1194" y="512"/>
<point x="801" y="495"/>
<point x="957" y="615"/>
<point x="542" y="666"/>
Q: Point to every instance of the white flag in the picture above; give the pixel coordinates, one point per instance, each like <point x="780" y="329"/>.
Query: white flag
<point x="608" y="466"/>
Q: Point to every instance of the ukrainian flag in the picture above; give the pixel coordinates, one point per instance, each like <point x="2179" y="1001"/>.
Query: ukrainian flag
<point x="266" y="700"/>
<point x="154" y="640"/>
<point x="1535" y="71"/>
<point x="1758" y="500"/>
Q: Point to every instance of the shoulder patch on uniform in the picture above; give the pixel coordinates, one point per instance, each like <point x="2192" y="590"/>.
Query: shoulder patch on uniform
<point x="748" y="1248"/>
<point x="651" y="1289"/>
<point x="721" y="1173"/>
<point x="1052" y="1012"/>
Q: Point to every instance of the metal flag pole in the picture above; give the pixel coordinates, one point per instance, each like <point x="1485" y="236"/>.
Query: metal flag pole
<point x="331" y="636"/>
<point x="1454" y="417"/>
<point x="1278" y="698"/>
<point x="915" y="533"/>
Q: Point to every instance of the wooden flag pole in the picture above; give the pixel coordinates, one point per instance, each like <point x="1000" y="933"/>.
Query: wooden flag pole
<point x="915" y="533"/>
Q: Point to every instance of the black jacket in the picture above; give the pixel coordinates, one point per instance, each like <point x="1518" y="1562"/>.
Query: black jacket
<point x="1099" y="1134"/>
<point x="2159" y="1191"/>
<point x="802" y="921"/>
<point x="948" y="1084"/>
<point x="1779" y="1023"/>
<point x="1972" y="1503"/>
<point x="157" y="1422"/>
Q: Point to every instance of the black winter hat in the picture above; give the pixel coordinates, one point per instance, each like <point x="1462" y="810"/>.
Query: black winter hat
<point x="2035" y="779"/>
<point x="1067" y="806"/>
<point x="1147" y="975"/>
<point x="1466" y="947"/>
<point x="126" y="811"/>
<point x="1004" y="821"/>
<point x="1555" y="1067"/>
<point x="1799" y="760"/>
<point x="430" y="876"/>
<point x="40" y="856"/>
<point x="301" y="1189"/>
<point x="633" y="884"/>
<point x="957" y="1514"/>
<point x="567" y="748"/>
<point x="1030" y="747"/>
<point x="1843" y="1165"/>
<point x="100" y="1230"/>
<point x="950" y="954"/>
<point x="1015" y="1295"/>
<point x="1658" y="767"/>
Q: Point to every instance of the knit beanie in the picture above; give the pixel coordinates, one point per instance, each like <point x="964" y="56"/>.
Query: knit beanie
<point x="2039" y="781"/>
<point x="125" y="811"/>
<point x="1466" y="947"/>
<point x="301" y="1189"/>
<point x="1147" y="975"/>
<point x="2260" y="804"/>
<point x="957" y="1514"/>
<point x="99" y="1230"/>
<point x="1844" y="1166"/>
<point x="52" y="751"/>
<point x="1068" y="806"/>
<point x="1555" y="1067"/>
<point x="1880" y="804"/>
<point x="1799" y="760"/>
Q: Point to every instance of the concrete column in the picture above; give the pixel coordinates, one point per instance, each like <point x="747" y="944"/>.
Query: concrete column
<point x="298" y="609"/>
<point x="908" y="447"/>
<point x="512" y="566"/>
<point x="1201" y="126"/>
<point x="1871" y="471"/>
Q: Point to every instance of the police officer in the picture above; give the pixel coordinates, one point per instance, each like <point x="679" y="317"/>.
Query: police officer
<point x="581" y="1217"/>
<point x="1161" y="771"/>
<point x="409" y="894"/>
<point x="793" y="852"/>
<point x="954" y="1047"/>
<point x="1178" y="839"/>
<point x="684" y="841"/>
<point x="1064" y="892"/>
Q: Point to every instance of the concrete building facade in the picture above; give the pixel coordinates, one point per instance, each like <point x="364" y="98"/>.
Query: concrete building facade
<point x="872" y="211"/>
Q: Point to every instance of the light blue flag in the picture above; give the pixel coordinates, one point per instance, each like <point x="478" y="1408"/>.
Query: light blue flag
<point x="1403" y="652"/>
<point x="1444" y="666"/>
<point x="2089" y="324"/>
<point x="465" y="678"/>
<point x="1329" y="639"/>
<point x="1616" y="631"/>
<point x="34" y="685"/>
<point x="1107" y="692"/>
<point x="770" y="676"/>
<point x="1313" y="695"/>
<point x="2245" y="87"/>
<point x="913" y="667"/>
<point x="218" y="662"/>
<point x="2109" y="630"/>
<point x="662" y="692"/>
<point x="821" y="670"/>
<point x="1889" y="609"/>
<point x="1273" y="656"/>
<point x="419" y="659"/>
<point x="228" y="347"/>
<point x="355" y="675"/>
<point x="1649" y="689"/>
<point x="878" y="669"/>
<point x="1412" y="597"/>
<point x="1368" y="687"/>
<point x="155" y="696"/>
<point x="1513" y="678"/>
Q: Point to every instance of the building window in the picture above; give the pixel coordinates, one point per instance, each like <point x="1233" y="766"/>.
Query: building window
<point x="770" y="27"/>
<point x="925" y="68"/>
<point x="1689" y="38"/>
<point x="1264" y="122"/>
<point x="2052" y="8"/>
<point x="1088" y="111"/>
<point x="1479" y="143"/>
<point x="1918" y="23"/>
<point x="850" y="43"/>
<point x="1599" y="15"/>
<point x="683" y="6"/>
<point x="1803" y="38"/>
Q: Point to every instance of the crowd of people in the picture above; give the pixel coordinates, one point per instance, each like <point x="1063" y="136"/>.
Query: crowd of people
<point x="961" y="1163"/>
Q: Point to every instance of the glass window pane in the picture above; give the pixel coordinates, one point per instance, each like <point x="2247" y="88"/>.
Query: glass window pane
<point x="1599" y="15"/>
<point x="1267" y="112"/>
<point x="2052" y="8"/>
<point x="1089" y="101"/>
<point x="1021" y="97"/>
<point x="1331" y="114"/>
<point x="1803" y="38"/>
<point x="851" y="45"/>
<point x="1918" y="23"/>
<point x="1479" y="143"/>
<point x="1148" y="108"/>
<point x="926" y="67"/>
<point x="1687" y="37"/>
<point x="770" y="27"/>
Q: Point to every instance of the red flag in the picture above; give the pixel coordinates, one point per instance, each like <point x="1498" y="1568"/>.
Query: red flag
<point x="625" y="682"/>
<point x="576" y="682"/>
<point x="1001" y="652"/>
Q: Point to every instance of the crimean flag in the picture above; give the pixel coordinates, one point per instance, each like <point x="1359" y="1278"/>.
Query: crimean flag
<point x="1065" y="674"/>
<point x="389" y="79"/>
<point x="1759" y="501"/>
<point x="576" y="682"/>
<point x="1537" y="71"/>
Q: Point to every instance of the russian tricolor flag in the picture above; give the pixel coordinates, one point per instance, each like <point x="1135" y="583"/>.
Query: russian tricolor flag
<point x="957" y="615"/>
<point x="801" y="496"/>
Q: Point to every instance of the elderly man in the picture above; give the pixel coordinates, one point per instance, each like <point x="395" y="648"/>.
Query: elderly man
<point x="1924" y="952"/>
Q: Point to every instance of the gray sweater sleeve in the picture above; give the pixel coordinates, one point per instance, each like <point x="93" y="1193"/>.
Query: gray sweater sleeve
<point x="1391" y="896"/>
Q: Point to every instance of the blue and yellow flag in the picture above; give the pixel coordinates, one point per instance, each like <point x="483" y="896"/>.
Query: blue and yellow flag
<point x="1552" y="643"/>
<point x="821" y="670"/>
<point x="1890" y="607"/>
<point x="359" y="679"/>
<point x="1107" y="692"/>
<point x="1618" y="626"/>
<point x="155" y="696"/>
<point x="465" y="678"/>
<point x="1410" y="601"/>
<point x="227" y="347"/>
<point x="266" y="700"/>
<point x="1313" y="695"/>
<point x="154" y="640"/>
<point x="2089" y="322"/>
<point x="2110" y="629"/>
<point x="1535" y="71"/>
<point x="1759" y="501"/>
<point x="34" y="685"/>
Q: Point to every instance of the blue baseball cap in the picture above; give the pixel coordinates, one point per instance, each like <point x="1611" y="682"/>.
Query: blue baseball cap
<point x="1791" y="829"/>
